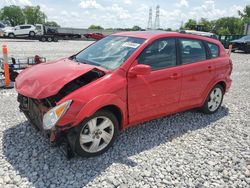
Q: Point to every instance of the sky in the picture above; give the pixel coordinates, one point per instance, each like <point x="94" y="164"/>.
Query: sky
<point x="127" y="13"/>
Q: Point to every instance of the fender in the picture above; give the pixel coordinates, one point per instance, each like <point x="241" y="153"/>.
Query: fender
<point x="210" y="86"/>
<point x="99" y="102"/>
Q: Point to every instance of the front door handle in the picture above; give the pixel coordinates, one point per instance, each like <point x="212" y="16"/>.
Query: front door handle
<point x="175" y="76"/>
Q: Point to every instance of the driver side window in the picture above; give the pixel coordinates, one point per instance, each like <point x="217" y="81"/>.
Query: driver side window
<point x="160" y="54"/>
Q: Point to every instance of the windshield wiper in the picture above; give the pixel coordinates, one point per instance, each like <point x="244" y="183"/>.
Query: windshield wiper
<point x="75" y="59"/>
<point x="90" y="62"/>
<point x="83" y="61"/>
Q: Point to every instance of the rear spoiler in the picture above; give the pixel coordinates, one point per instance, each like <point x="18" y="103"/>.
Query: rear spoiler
<point x="230" y="49"/>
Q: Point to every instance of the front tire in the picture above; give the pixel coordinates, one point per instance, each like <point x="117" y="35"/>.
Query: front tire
<point x="11" y="35"/>
<point x="214" y="100"/>
<point x="96" y="134"/>
<point x="13" y="76"/>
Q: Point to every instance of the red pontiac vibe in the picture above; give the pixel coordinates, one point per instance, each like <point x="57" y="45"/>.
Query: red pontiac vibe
<point x="122" y="80"/>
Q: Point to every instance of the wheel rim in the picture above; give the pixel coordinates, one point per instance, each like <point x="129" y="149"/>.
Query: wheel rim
<point x="96" y="134"/>
<point x="215" y="99"/>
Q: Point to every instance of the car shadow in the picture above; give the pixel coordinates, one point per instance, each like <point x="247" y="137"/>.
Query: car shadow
<point x="33" y="158"/>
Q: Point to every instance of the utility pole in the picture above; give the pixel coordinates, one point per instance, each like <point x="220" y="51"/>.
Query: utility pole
<point x="150" y="22"/>
<point x="157" y="18"/>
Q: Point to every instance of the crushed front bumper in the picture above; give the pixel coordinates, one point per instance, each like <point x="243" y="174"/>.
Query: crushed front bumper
<point x="34" y="111"/>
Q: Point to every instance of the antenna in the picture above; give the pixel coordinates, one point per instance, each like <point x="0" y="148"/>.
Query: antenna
<point x="150" y="22"/>
<point x="157" y="18"/>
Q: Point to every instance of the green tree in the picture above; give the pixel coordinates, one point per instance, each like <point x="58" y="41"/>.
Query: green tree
<point x="52" y="24"/>
<point x="245" y="14"/>
<point x="228" y="26"/>
<point x="206" y="24"/>
<point x="136" y="28"/>
<point x="34" y="15"/>
<point x="190" y="24"/>
<point x="95" y="27"/>
<point x="12" y="14"/>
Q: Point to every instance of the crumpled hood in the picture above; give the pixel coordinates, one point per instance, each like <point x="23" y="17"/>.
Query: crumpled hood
<point x="46" y="79"/>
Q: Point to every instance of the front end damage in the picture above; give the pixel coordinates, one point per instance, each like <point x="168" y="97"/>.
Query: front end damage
<point x="36" y="109"/>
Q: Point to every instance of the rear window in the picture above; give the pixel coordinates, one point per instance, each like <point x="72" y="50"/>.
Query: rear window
<point x="214" y="49"/>
<point x="192" y="51"/>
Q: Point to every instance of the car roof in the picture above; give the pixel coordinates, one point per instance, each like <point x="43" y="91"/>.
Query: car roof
<point x="25" y="25"/>
<point x="140" y="34"/>
<point x="159" y="34"/>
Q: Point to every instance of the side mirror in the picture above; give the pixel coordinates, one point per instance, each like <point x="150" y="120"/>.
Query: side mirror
<point x="139" y="70"/>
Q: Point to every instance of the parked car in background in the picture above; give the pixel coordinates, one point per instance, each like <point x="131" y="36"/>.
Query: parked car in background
<point x="242" y="44"/>
<point x="21" y="30"/>
<point x="122" y="80"/>
<point x="96" y="36"/>
<point x="226" y="39"/>
<point x="201" y="33"/>
<point x="2" y="25"/>
<point x="2" y="28"/>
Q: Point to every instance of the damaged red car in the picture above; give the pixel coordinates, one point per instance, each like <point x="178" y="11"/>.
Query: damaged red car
<point x="122" y="80"/>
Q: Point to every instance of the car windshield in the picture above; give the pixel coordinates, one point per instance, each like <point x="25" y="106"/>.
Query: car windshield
<point x="245" y="38"/>
<point x="110" y="52"/>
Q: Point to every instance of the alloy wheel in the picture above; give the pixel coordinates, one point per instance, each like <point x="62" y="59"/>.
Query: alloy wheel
<point x="215" y="99"/>
<point x="96" y="134"/>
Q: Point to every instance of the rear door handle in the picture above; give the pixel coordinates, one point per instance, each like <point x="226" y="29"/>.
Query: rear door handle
<point x="175" y="76"/>
<point x="210" y="68"/>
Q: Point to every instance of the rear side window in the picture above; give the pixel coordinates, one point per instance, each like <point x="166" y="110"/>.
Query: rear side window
<point x="25" y="27"/>
<point x="160" y="54"/>
<point x="192" y="51"/>
<point x="214" y="49"/>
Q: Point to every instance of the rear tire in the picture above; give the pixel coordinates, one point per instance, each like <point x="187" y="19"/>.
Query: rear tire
<point x="43" y="39"/>
<point x="32" y="34"/>
<point x="214" y="100"/>
<point x="50" y="39"/>
<point x="55" y="39"/>
<point x="96" y="134"/>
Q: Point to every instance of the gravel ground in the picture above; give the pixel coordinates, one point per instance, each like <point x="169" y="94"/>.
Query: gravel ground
<point x="187" y="149"/>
